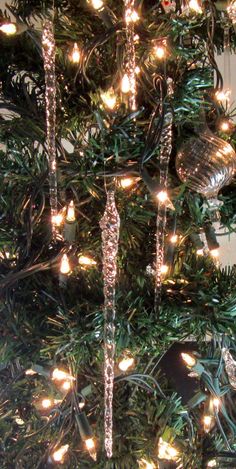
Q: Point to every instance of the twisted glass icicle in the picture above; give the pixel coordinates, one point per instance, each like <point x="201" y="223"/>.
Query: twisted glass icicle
<point x="166" y="147"/>
<point x="130" y="64"/>
<point x="48" y="44"/>
<point x="110" y="224"/>
<point x="230" y="366"/>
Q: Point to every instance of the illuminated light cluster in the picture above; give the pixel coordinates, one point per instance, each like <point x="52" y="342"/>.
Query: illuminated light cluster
<point x="215" y="253"/>
<point x="30" y="372"/>
<point x="195" y="6"/>
<point x="131" y="16"/>
<point x="8" y="28"/>
<point x="223" y="95"/>
<point x="225" y="126"/>
<point x="70" y="216"/>
<point x="162" y="196"/>
<point x="60" y="375"/>
<point x="75" y="54"/>
<point x="58" y="219"/>
<point x="126" y="363"/>
<point x="127" y="182"/>
<point x="190" y="360"/>
<point x="60" y="453"/>
<point x="166" y="451"/>
<point x="164" y="269"/>
<point x="97" y="4"/>
<point x="174" y="239"/>
<point x="65" y="265"/>
<point x="212" y="463"/>
<point x="109" y="98"/>
<point x="86" y="261"/>
<point x="48" y="403"/>
<point x="200" y="252"/>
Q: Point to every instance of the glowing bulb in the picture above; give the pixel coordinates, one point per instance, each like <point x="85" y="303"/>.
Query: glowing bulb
<point x="70" y="216"/>
<point x="65" y="265"/>
<point x="57" y="219"/>
<point x="194" y="5"/>
<point x="109" y="98"/>
<point x="125" y="84"/>
<point x="90" y="445"/>
<point x="215" y="253"/>
<point x="84" y="260"/>
<point x="174" y="239"/>
<point x="19" y="421"/>
<point x="164" y="269"/>
<point x="66" y="385"/>
<point x="223" y="95"/>
<point x="216" y="403"/>
<point x="162" y="196"/>
<point x="126" y="182"/>
<point x="160" y="52"/>
<point x="211" y="463"/>
<point x="60" y="453"/>
<point x="207" y="423"/>
<point x="8" y="28"/>
<point x="200" y="252"/>
<point x="60" y="375"/>
<point x="224" y="126"/>
<point x="189" y="359"/>
<point x="131" y="16"/>
<point x="137" y="70"/>
<point x="126" y="363"/>
<point x="75" y="54"/>
<point x="30" y="372"/>
<point x="46" y="403"/>
<point x="166" y="451"/>
<point x="97" y="4"/>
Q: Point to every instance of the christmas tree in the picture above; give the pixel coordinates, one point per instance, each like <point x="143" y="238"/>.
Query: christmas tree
<point x="117" y="165"/>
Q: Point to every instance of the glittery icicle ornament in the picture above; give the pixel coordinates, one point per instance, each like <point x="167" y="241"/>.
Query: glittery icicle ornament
<point x="130" y="63"/>
<point x="110" y="225"/>
<point x="230" y="366"/>
<point x="48" y="45"/>
<point x="165" y="151"/>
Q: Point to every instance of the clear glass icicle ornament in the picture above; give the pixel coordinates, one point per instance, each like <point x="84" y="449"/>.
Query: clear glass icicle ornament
<point x="110" y="225"/>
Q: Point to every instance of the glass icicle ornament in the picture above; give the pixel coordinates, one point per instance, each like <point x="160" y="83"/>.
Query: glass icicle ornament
<point x="48" y="44"/>
<point x="206" y="163"/>
<point x="129" y="84"/>
<point x="230" y="366"/>
<point x="110" y="224"/>
<point x="166" y="147"/>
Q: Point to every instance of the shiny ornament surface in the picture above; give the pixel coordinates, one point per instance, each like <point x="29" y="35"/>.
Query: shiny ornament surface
<point x="206" y="163"/>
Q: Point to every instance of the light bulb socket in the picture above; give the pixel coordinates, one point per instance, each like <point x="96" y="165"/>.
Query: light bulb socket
<point x="212" y="242"/>
<point x="70" y="228"/>
<point x="84" y="426"/>
<point x="196" y="240"/>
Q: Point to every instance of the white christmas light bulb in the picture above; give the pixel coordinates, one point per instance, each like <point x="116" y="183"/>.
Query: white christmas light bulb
<point x="160" y="52"/>
<point x="8" y="28"/>
<point x="223" y="95"/>
<point x="97" y="4"/>
<point x="215" y="253"/>
<point x="59" y="454"/>
<point x="84" y="260"/>
<point x="65" y="265"/>
<point x="46" y="403"/>
<point x="200" y="252"/>
<point x="90" y="445"/>
<point x="126" y="182"/>
<point x="75" y="54"/>
<point x="70" y="216"/>
<point x="164" y="269"/>
<point x="66" y="385"/>
<point x="109" y="98"/>
<point x="60" y="375"/>
<point x="211" y="463"/>
<point x="125" y="84"/>
<point x="207" y="423"/>
<point x="146" y="464"/>
<point x="188" y="359"/>
<point x="126" y="363"/>
<point x="224" y="126"/>
<point x="174" y="239"/>
<point x="194" y="5"/>
<point x="57" y="219"/>
<point x="166" y="451"/>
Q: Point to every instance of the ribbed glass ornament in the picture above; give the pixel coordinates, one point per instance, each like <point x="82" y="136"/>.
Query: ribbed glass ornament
<point x="206" y="163"/>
